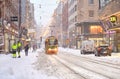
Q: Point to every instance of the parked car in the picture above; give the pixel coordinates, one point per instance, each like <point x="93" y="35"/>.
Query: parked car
<point x="103" y="50"/>
<point x="87" y="46"/>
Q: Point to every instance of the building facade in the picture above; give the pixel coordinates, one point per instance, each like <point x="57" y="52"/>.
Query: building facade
<point x="110" y="19"/>
<point x="56" y="24"/>
<point x="83" y="21"/>
<point x="72" y="20"/>
<point x="12" y="23"/>
<point x="65" y="23"/>
<point x="8" y="29"/>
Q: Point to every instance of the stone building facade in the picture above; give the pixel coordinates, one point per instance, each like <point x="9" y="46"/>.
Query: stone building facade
<point x="110" y="18"/>
<point x="9" y="29"/>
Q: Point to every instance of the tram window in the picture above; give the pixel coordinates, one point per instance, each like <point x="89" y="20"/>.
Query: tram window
<point x="53" y="42"/>
<point x="56" y="42"/>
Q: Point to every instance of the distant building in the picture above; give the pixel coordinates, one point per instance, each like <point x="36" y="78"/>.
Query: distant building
<point x="30" y="22"/>
<point x="72" y="20"/>
<point x="23" y="12"/>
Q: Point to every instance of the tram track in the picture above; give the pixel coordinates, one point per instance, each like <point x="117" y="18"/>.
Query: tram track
<point x="100" y="62"/>
<point x="101" y="73"/>
<point x="51" y="66"/>
<point x="105" y="63"/>
<point x="81" y="77"/>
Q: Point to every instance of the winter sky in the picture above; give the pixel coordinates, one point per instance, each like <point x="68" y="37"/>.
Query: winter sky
<point x="44" y="10"/>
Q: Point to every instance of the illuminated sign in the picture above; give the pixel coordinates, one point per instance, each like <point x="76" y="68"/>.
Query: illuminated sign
<point x="113" y="19"/>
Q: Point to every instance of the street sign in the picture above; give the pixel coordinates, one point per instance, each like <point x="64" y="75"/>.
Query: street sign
<point x="14" y="18"/>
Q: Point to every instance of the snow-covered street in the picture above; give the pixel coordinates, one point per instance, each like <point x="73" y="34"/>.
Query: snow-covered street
<point x="67" y="64"/>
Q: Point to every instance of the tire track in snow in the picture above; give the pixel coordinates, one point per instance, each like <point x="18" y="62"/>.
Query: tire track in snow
<point x="85" y="73"/>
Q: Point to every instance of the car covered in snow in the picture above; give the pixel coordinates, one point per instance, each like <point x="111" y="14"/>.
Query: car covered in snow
<point x="103" y="50"/>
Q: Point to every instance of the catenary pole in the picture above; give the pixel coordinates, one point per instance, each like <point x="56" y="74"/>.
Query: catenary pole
<point x="19" y="21"/>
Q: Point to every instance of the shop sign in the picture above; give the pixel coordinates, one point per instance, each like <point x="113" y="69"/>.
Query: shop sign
<point x="113" y="19"/>
<point x="14" y="18"/>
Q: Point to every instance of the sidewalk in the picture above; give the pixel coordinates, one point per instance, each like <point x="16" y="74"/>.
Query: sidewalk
<point x="116" y="54"/>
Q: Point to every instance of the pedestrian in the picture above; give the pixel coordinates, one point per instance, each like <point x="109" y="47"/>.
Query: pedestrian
<point x="14" y="49"/>
<point x="19" y="45"/>
<point x="34" y="48"/>
<point x="26" y="49"/>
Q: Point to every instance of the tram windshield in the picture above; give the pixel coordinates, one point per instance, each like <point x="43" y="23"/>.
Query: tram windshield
<point x="53" y="42"/>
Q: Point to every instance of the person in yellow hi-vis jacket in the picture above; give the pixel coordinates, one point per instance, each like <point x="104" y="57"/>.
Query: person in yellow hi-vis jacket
<point x="19" y="45"/>
<point x="14" y="49"/>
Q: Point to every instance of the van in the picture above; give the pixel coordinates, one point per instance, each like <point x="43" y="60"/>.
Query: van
<point x="87" y="46"/>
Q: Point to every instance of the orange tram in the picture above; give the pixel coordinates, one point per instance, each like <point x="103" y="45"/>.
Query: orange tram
<point x="51" y="45"/>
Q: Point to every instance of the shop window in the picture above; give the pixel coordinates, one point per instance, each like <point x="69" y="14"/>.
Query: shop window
<point x="96" y="29"/>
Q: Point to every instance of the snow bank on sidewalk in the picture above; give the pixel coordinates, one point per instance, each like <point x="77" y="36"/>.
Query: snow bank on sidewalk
<point x="21" y="68"/>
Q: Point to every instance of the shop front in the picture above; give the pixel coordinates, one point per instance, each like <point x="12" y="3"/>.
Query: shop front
<point x="89" y="31"/>
<point x="110" y="21"/>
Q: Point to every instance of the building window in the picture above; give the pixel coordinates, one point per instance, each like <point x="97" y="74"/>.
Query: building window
<point x="91" y="13"/>
<point x="91" y="1"/>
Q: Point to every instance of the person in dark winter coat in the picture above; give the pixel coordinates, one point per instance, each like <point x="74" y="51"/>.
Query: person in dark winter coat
<point x="26" y="49"/>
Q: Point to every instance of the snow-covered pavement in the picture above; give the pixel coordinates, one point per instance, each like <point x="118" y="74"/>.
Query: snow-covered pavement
<point x="38" y="65"/>
<point x="20" y="68"/>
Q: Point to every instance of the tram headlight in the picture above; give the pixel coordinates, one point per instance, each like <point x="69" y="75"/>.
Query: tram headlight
<point x="55" y="49"/>
<point x="49" y="49"/>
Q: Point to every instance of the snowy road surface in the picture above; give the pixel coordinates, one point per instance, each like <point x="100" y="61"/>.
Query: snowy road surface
<point x="67" y="64"/>
<point x="91" y="69"/>
<point x="83" y="66"/>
